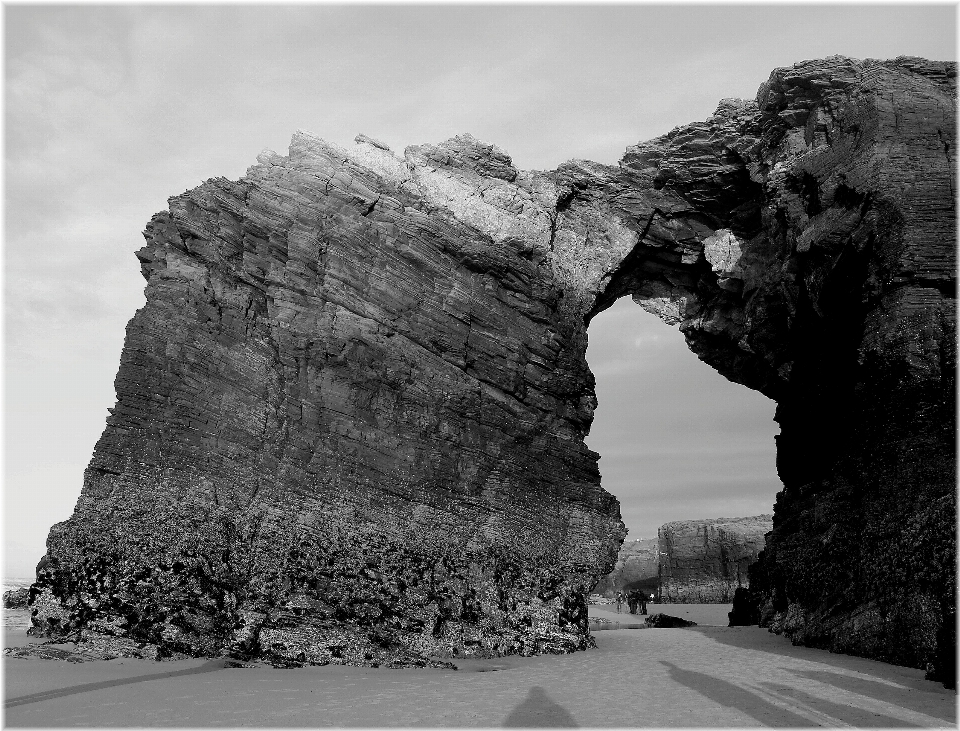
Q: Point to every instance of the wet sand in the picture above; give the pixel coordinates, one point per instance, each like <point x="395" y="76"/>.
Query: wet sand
<point x="705" y="676"/>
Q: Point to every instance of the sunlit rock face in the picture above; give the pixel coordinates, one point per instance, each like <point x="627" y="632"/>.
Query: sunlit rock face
<point x="350" y="417"/>
<point x="350" y="422"/>
<point x="706" y="561"/>
<point x="690" y="561"/>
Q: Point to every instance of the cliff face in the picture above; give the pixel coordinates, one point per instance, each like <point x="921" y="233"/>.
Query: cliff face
<point x="691" y="561"/>
<point x="704" y="561"/>
<point x="862" y="556"/>
<point x="350" y="417"/>
<point x="350" y="422"/>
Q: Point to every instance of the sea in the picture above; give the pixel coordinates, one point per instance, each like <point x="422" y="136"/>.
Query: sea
<point x="16" y="619"/>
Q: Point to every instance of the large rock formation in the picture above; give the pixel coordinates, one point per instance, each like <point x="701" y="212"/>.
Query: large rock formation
<point x="349" y="422"/>
<point x="350" y="417"/>
<point x="704" y="561"/>
<point x="690" y="561"/>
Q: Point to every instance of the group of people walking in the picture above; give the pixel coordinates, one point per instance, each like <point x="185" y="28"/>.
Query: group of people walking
<point x="635" y="600"/>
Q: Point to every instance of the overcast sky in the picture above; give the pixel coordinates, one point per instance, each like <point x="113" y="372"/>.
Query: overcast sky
<point x="110" y="110"/>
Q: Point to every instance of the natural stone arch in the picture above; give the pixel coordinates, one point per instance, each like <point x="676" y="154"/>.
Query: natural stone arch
<point x="350" y="416"/>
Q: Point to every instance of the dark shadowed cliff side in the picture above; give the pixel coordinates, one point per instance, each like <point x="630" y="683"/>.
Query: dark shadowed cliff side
<point x="350" y="417"/>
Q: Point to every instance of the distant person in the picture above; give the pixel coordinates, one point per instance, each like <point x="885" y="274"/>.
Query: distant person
<point x="619" y="602"/>
<point x="632" y="601"/>
<point x="643" y="602"/>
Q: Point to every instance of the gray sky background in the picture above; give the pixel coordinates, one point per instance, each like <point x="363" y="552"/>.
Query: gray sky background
<point x="110" y="110"/>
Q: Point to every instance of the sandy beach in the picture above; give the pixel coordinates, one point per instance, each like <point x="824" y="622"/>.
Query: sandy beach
<point x="704" y="676"/>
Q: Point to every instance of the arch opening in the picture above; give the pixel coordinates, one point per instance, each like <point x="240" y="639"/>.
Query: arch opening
<point x="678" y="443"/>
<point x="677" y="440"/>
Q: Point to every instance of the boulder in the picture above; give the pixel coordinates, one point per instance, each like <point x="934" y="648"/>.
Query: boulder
<point x="16" y="598"/>
<point x="745" y="611"/>
<point x="667" y="620"/>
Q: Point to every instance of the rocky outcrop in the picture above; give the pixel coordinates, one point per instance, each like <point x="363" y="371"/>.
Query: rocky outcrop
<point x="705" y="561"/>
<point x="350" y="417"/>
<point x="638" y="562"/>
<point x="745" y="610"/>
<point x="862" y="198"/>
<point x="350" y="403"/>
<point x="668" y="621"/>
<point x="349" y="422"/>
<point x="16" y="598"/>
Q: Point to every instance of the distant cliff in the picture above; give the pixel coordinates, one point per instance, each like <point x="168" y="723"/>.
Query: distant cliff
<point x="703" y="561"/>
<point x="691" y="561"/>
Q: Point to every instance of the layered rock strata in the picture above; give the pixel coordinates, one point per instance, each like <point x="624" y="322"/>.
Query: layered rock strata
<point x="350" y="417"/>
<point x="350" y="421"/>
<point x="706" y="561"/>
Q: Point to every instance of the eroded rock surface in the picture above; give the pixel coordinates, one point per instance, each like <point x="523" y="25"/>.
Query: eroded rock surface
<point x="16" y="598"/>
<point x="705" y="561"/>
<point x="350" y="417"/>
<point x="349" y="424"/>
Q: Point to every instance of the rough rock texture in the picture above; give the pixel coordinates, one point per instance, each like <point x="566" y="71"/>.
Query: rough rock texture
<point x="350" y="417"/>
<point x="700" y="561"/>
<point x="16" y="598"/>
<point x="637" y="562"/>
<point x="705" y="561"/>
<point x="350" y="421"/>
<point x="861" y="197"/>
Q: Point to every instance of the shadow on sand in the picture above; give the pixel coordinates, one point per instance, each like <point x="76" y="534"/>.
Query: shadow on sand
<point x="904" y="693"/>
<point x="746" y="638"/>
<point x="538" y="710"/>
<point x="734" y="696"/>
<point x="729" y="695"/>
<point x="46" y="695"/>
<point x="912" y="697"/>
<point x="845" y="714"/>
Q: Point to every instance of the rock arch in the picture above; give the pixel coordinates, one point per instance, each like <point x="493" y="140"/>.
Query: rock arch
<point x="350" y="417"/>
